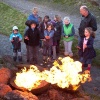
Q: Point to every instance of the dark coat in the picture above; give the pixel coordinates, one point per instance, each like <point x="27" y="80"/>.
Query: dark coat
<point x="58" y="30"/>
<point x="89" y="21"/>
<point x="89" y="52"/>
<point x="34" y="37"/>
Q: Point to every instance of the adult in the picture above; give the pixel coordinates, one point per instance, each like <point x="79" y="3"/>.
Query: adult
<point x="87" y="20"/>
<point x="34" y="16"/>
<point x="68" y="36"/>
<point x="58" y="31"/>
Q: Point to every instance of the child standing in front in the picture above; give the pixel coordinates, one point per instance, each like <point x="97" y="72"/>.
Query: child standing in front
<point x="86" y="49"/>
<point x="48" y="42"/>
<point x="16" y="39"/>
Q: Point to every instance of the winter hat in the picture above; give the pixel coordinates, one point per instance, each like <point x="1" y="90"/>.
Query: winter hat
<point x="15" y="28"/>
<point x="29" y="22"/>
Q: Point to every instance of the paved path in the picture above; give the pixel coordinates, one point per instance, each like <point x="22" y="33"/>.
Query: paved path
<point x="25" y="6"/>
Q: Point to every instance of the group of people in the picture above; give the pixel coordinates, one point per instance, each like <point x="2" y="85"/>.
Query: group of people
<point x="47" y="34"/>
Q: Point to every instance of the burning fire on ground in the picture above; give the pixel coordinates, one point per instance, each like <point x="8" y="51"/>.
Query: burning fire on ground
<point x="65" y="73"/>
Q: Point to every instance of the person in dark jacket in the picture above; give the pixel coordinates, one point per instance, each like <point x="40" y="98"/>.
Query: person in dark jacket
<point x="86" y="49"/>
<point x="87" y="20"/>
<point x="32" y="37"/>
<point x="58" y="31"/>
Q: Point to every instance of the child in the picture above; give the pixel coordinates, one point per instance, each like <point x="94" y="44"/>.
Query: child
<point x="43" y="25"/>
<point x="16" y="39"/>
<point x="32" y="37"/>
<point x="48" y="41"/>
<point x="68" y="33"/>
<point x="86" y="50"/>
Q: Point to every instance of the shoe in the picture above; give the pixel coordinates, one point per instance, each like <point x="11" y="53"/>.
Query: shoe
<point x="41" y="64"/>
<point x="48" y="65"/>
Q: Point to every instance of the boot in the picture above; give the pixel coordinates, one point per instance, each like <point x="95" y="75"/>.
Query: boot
<point x="20" y="58"/>
<point x="15" y="58"/>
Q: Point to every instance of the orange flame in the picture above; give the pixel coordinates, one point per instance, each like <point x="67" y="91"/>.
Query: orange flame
<point x="68" y="73"/>
<point x="28" y="78"/>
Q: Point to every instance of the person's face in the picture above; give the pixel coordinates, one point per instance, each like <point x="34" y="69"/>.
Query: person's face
<point x="35" y="13"/>
<point x="83" y="12"/>
<point x="33" y="26"/>
<point x="15" y="31"/>
<point x="66" y="22"/>
<point x="49" y="28"/>
<point x="86" y="33"/>
<point x="46" y="19"/>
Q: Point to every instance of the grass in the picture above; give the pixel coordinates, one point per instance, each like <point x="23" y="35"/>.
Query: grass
<point x="10" y="17"/>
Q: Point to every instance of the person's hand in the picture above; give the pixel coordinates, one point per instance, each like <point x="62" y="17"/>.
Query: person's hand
<point x="47" y="37"/>
<point x="20" y="40"/>
<point x="26" y="38"/>
<point x="85" y="46"/>
<point x="66" y="36"/>
<point x="43" y="39"/>
<point x="12" y="40"/>
<point x="78" y="47"/>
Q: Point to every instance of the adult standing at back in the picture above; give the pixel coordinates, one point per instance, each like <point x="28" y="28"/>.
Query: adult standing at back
<point x="34" y="16"/>
<point x="87" y="20"/>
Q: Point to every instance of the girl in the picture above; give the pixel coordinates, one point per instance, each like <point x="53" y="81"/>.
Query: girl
<point x="86" y="50"/>
<point x="48" y="41"/>
<point x="68" y="33"/>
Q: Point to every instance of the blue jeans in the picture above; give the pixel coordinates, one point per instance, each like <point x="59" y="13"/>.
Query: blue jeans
<point x="85" y="61"/>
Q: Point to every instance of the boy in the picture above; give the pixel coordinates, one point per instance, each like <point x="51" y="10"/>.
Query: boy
<point x="16" y="39"/>
<point x="32" y="37"/>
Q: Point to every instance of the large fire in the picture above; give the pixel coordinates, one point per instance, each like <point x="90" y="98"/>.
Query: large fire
<point x="28" y="78"/>
<point x="65" y="73"/>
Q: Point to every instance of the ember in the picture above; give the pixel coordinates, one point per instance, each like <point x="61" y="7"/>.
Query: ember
<point x="64" y="74"/>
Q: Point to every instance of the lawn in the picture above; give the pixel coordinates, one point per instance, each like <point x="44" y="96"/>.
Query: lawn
<point x="10" y="17"/>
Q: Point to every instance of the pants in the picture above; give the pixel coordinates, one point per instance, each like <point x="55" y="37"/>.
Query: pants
<point x="33" y="53"/>
<point x="27" y="52"/>
<point x="57" y="47"/>
<point x="54" y="52"/>
<point x="17" y="53"/>
<point x="47" y="50"/>
<point x="68" y="48"/>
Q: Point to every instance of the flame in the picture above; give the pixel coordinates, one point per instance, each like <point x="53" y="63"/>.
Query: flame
<point x="28" y="78"/>
<point x="65" y="73"/>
